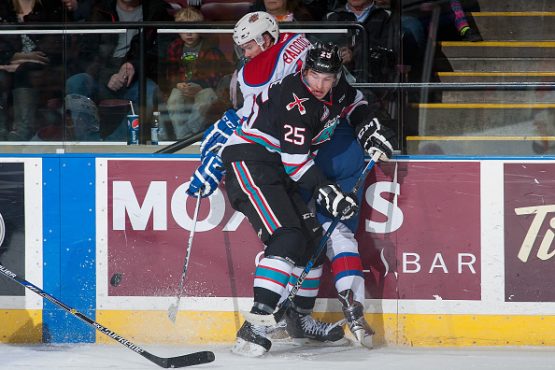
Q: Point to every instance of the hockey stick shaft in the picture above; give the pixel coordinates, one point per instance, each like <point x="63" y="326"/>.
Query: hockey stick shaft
<point x="172" y="311"/>
<point x="173" y="362"/>
<point x="324" y="241"/>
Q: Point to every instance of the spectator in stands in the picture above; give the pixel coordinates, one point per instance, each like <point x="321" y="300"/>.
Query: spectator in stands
<point x="110" y="63"/>
<point x="7" y="49"/>
<point x="413" y="36"/>
<point x="379" y="28"/>
<point x="80" y="9"/>
<point x="453" y="18"/>
<point x="30" y="65"/>
<point x="461" y="22"/>
<point x="195" y="67"/>
<point x="284" y="10"/>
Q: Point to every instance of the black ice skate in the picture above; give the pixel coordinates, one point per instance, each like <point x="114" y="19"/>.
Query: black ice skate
<point x="251" y="341"/>
<point x="354" y="314"/>
<point x="302" y="328"/>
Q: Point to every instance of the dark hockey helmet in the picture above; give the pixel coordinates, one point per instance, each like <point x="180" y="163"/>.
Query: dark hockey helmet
<point x="324" y="58"/>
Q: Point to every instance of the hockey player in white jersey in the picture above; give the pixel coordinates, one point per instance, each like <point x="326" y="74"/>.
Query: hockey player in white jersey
<point x="269" y="62"/>
<point x="271" y="55"/>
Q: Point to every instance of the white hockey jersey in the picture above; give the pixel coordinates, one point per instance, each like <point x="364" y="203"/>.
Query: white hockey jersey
<point x="285" y="57"/>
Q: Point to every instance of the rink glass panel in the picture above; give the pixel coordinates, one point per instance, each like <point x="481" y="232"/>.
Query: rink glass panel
<point x="435" y="111"/>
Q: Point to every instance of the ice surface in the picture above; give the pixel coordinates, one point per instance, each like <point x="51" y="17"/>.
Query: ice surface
<point x="117" y="357"/>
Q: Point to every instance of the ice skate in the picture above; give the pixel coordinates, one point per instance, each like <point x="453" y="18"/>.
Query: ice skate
<point x="303" y="329"/>
<point x="354" y="314"/>
<point x="251" y="341"/>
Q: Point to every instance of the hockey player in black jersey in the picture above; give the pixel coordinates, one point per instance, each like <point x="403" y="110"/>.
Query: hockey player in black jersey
<point x="270" y="157"/>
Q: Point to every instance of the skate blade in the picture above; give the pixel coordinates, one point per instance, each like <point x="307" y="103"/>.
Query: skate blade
<point x="278" y="334"/>
<point x="364" y="339"/>
<point x="286" y="341"/>
<point x="247" y="349"/>
<point x="316" y="343"/>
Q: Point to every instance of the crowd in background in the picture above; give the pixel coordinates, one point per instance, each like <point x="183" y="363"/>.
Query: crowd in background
<point x="78" y="87"/>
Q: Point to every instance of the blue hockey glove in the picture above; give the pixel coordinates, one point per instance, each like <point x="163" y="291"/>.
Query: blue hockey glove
<point x="217" y="134"/>
<point x="207" y="177"/>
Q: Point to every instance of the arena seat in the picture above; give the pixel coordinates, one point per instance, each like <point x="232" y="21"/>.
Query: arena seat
<point x="224" y="11"/>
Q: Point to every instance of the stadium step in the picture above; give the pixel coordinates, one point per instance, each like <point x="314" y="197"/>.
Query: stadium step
<point x="496" y="49"/>
<point x="482" y="145"/>
<point x="497" y="64"/>
<point x="522" y="26"/>
<point x="530" y="76"/>
<point x="498" y="96"/>
<point x="518" y="48"/>
<point x="516" y="5"/>
<point x="441" y="119"/>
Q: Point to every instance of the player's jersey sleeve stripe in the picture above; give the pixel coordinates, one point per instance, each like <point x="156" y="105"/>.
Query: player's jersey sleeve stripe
<point x="296" y="165"/>
<point x="257" y="198"/>
<point x="359" y="101"/>
<point x="256" y="136"/>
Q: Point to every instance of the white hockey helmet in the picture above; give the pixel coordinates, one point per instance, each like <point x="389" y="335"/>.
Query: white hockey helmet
<point x="252" y="26"/>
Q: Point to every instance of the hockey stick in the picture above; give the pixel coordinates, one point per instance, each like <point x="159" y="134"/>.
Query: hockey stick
<point x="195" y="358"/>
<point x="183" y="143"/>
<point x="268" y="320"/>
<point x="172" y="310"/>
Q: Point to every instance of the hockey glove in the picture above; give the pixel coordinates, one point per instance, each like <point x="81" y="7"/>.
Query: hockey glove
<point x="217" y="134"/>
<point x="207" y="177"/>
<point x="373" y="136"/>
<point x="336" y="202"/>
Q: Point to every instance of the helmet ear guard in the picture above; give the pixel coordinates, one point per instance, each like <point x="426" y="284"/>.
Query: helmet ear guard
<point x="253" y="26"/>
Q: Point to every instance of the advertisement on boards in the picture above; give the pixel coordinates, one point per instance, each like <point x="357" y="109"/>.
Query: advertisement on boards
<point x="419" y="233"/>
<point x="150" y="216"/>
<point x="529" y="232"/>
<point x="12" y="224"/>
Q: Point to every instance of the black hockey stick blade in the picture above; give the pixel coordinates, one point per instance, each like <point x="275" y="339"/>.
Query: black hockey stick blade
<point x="195" y="358"/>
<point x="190" y="359"/>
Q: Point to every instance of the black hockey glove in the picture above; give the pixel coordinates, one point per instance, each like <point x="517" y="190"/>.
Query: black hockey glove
<point x="373" y="136"/>
<point x="336" y="202"/>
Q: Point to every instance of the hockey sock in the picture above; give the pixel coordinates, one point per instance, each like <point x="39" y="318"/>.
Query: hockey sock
<point x="261" y="308"/>
<point x="347" y="270"/>
<point x="306" y="295"/>
<point x="270" y="279"/>
<point x="304" y="305"/>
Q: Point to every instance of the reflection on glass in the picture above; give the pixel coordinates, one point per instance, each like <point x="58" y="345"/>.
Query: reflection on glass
<point x="42" y="99"/>
<point x="189" y="59"/>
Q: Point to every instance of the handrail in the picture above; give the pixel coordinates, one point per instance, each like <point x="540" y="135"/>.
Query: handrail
<point x="459" y="85"/>
<point x="171" y="25"/>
